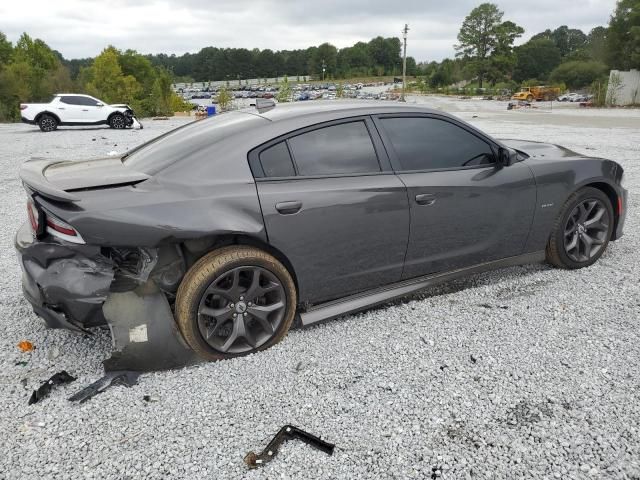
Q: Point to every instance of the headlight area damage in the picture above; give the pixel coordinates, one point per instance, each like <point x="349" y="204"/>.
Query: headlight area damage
<point x="128" y="289"/>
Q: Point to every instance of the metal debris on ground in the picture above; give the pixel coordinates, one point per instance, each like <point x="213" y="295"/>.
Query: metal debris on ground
<point x="125" y="378"/>
<point x="26" y="346"/>
<point x="59" y="378"/>
<point x="288" y="432"/>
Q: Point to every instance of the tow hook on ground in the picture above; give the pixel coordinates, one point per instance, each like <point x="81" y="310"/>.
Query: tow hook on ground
<point x="287" y="432"/>
<point x="126" y="378"/>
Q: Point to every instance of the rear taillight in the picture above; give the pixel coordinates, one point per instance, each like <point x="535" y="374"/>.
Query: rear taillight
<point x="42" y="221"/>
<point x="22" y="106"/>
<point x="34" y="215"/>
<point x="61" y="227"/>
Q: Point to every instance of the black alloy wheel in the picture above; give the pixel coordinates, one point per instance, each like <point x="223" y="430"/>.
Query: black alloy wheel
<point x="241" y="310"/>
<point x="586" y="230"/>
<point x="582" y="230"/>
<point x="117" y="121"/>
<point x="47" y="123"/>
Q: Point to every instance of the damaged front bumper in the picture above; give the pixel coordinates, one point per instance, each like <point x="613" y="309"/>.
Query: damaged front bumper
<point x="81" y="286"/>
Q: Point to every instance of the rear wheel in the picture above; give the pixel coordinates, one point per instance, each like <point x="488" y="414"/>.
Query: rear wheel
<point x="117" y="121"/>
<point x="235" y="301"/>
<point x="582" y="231"/>
<point x="47" y="123"/>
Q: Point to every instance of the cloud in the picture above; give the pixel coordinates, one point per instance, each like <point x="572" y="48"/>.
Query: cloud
<point x="82" y="28"/>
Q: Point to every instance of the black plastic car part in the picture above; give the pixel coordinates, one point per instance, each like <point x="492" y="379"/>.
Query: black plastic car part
<point x="288" y="432"/>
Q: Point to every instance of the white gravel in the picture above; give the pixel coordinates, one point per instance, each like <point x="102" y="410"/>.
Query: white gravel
<point x="527" y="372"/>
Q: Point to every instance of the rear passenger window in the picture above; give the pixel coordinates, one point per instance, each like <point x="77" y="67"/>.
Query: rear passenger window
<point x="423" y="143"/>
<point x="276" y="161"/>
<point x="70" y="100"/>
<point x="338" y="149"/>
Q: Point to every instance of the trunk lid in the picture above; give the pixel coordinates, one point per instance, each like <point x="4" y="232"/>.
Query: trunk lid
<point x="57" y="180"/>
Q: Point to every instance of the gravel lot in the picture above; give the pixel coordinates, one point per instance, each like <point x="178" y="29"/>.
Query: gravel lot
<point x="528" y="372"/>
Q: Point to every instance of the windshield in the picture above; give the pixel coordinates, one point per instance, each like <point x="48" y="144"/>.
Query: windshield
<point x="184" y="141"/>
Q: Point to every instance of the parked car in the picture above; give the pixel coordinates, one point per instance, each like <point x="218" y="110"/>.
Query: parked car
<point x="75" y="109"/>
<point x="568" y="97"/>
<point x="232" y="226"/>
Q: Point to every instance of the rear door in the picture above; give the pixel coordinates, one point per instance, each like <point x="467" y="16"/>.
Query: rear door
<point x="79" y="109"/>
<point x="464" y="209"/>
<point x="333" y="206"/>
<point x="69" y="109"/>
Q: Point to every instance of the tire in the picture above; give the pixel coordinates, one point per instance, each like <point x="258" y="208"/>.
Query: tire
<point x="529" y="98"/>
<point x="117" y="121"/>
<point x="577" y="223"/>
<point x="224" y="312"/>
<point x="47" y="123"/>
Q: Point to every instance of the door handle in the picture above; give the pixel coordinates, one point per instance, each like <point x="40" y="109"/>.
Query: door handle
<point x="289" y="208"/>
<point x="60" y="108"/>
<point x="425" y="199"/>
<point x="85" y="109"/>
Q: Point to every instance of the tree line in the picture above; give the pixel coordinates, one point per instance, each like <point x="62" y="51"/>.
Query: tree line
<point x="565" y="56"/>
<point x="380" y="56"/>
<point x="30" y="71"/>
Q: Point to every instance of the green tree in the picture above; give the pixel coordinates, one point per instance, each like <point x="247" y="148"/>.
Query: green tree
<point x="483" y="34"/>
<point x="224" y="98"/>
<point x="325" y="54"/>
<point x="284" y="94"/>
<point x="568" y="40"/>
<point x="623" y="39"/>
<point x="578" y="74"/>
<point x="107" y="81"/>
<point x="596" y="46"/>
<point x="6" y="49"/>
<point x="536" y="59"/>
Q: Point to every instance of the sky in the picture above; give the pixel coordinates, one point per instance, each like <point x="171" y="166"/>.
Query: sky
<point x="82" y="28"/>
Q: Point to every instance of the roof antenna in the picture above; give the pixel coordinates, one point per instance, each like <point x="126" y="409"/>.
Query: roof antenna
<point x="263" y="104"/>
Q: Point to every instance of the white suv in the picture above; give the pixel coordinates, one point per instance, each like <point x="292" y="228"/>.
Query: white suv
<point x="76" y="109"/>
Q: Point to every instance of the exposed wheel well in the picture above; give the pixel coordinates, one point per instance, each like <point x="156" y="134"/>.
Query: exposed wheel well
<point x="198" y="248"/>
<point x="611" y="194"/>
<point x="39" y="116"/>
<point x="112" y="114"/>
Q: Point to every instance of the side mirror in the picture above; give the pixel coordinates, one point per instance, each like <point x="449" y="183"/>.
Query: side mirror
<point x="99" y="104"/>
<point x="504" y="157"/>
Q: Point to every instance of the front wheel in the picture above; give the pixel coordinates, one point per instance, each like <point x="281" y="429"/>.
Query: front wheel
<point x="235" y="301"/>
<point x="582" y="231"/>
<point x="529" y="98"/>
<point x="117" y="121"/>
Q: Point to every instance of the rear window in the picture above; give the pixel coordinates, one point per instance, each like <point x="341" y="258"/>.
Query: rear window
<point x="188" y="140"/>
<point x="276" y="161"/>
<point x="338" y="149"/>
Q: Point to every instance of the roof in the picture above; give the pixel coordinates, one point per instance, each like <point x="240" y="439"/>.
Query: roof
<point x="345" y="108"/>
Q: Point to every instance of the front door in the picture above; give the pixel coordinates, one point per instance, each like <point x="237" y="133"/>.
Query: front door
<point x="465" y="210"/>
<point x="333" y="207"/>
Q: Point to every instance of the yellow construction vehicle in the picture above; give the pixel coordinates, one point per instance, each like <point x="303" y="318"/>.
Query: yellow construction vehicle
<point x="538" y="93"/>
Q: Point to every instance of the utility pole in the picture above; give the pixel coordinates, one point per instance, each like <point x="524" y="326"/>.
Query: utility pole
<point x="324" y="67"/>
<point x="405" y="30"/>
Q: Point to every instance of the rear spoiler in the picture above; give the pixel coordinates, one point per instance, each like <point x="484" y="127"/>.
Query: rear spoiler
<point x="32" y="176"/>
<point x="32" y="173"/>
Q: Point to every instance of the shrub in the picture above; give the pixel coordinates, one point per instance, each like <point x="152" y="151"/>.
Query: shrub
<point x="578" y="74"/>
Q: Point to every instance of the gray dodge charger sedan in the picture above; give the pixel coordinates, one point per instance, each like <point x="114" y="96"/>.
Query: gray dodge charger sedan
<point x="211" y="239"/>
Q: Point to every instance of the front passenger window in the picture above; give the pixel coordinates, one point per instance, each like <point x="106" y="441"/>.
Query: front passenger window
<point x="424" y="143"/>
